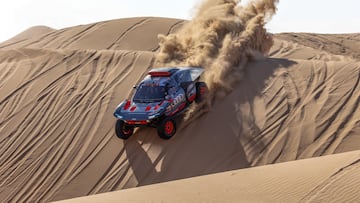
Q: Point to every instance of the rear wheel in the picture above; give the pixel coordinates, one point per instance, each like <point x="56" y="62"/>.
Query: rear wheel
<point x="201" y="90"/>
<point x="167" y="128"/>
<point x="123" y="131"/>
<point x="186" y="86"/>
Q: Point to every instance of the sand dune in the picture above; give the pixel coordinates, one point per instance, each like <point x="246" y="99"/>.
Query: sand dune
<point x="124" y="34"/>
<point x="58" y="92"/>
<point x="338" y="44"/>
<point x="293" y="50"/>
<point x="310" y="180"/>
<point x="56" y="115"/>
<point x="28" y="34"/>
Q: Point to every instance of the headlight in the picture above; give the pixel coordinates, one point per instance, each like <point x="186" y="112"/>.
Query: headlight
<point x="153" y="116"/>
<point x="118" y="116"/>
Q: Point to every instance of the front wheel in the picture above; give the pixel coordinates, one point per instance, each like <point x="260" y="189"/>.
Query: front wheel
<point x="166" y="128"/>
<point x="123" y="131"/>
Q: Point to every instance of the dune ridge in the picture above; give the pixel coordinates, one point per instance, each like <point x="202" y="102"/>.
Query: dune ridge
<point x="28" y="34"/>
<point x="109" y="35"/>
<point x="338" y="44"/>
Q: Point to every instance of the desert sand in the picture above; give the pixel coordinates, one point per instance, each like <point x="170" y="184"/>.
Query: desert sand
<point x="311" y="180"/>
<point x="265" y="139"/>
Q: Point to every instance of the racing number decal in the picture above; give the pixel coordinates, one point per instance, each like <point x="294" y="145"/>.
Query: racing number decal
<point x="180" y="98"/>
<point x="177" y="100"/>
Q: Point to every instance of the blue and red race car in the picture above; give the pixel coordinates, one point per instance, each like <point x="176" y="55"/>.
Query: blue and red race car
<point x="161" y="96"/>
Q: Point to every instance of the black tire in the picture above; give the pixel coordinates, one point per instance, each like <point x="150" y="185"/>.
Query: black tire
<point x="166" y="128"/>
<point x="201" y="90"/>
<point x="123" y="131"/>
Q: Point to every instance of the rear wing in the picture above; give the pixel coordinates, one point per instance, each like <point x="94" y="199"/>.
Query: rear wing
<point x="185" y="73"/>
<point x="196" y="73"/>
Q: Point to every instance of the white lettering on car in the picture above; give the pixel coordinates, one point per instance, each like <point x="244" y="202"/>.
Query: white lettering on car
<point x="180" y="98"/>
<point x="177" y="100"/>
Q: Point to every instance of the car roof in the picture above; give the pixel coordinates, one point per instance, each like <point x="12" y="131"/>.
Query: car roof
<point x="162" y="76"/>
<point x="172" y="70"/>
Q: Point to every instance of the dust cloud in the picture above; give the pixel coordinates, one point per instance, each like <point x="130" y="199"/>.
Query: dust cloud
<point x="221" y="38"/>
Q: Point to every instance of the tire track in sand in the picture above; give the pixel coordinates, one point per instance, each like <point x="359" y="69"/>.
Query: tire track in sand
<point x="81" y="88"/>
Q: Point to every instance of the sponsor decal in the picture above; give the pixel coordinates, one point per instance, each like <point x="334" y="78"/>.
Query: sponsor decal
<point x="176" y="101"/>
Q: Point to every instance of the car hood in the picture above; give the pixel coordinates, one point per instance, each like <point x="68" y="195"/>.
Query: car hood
<point x="132" y="111"/>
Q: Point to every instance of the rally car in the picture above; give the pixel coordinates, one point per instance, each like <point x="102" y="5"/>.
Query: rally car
<point x="161" y="96"/>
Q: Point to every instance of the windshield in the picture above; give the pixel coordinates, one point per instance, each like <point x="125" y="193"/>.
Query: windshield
<point x="146" y="94"/>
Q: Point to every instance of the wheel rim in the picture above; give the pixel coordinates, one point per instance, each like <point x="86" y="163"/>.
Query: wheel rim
<point x="169" y="127"/>
<point x="126" y="130"/>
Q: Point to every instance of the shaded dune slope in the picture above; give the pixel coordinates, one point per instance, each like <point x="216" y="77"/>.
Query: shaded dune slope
<point x="57" y="96"/>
